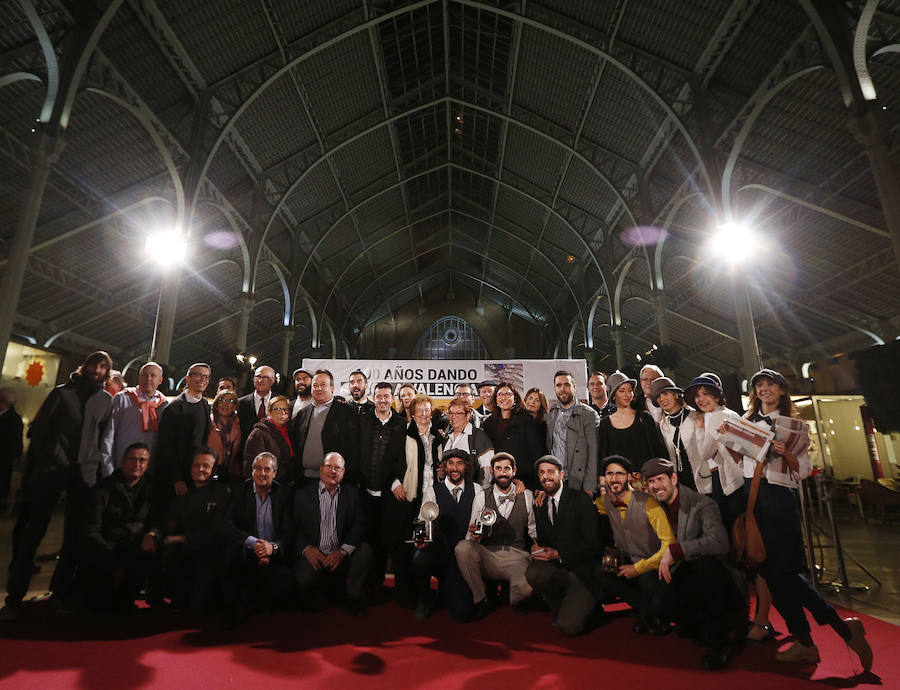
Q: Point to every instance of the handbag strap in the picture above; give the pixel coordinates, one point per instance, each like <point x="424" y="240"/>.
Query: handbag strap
<point x="754" y="487"/>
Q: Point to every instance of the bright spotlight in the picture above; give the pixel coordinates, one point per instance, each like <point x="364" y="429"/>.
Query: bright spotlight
<point x="167" y="248"/>
<point x="734" y="242"/>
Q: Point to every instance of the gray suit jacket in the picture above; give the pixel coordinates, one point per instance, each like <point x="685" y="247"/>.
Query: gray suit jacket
<point x="581" y="445"/>
<point x="700" y="528"/>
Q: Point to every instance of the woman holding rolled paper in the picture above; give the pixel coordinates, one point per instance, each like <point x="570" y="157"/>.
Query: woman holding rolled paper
<point x="717" y="474"/>
<point x="785" y="465"/>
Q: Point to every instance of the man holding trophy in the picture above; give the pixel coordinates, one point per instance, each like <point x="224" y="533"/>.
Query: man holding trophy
<point x="453" y="500"/>
<point x="501" y="530"/>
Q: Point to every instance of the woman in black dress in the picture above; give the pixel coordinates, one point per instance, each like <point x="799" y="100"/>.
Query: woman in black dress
<point x="628" y="432"/>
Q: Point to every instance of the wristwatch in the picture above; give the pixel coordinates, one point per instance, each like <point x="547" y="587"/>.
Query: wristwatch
<point x="274" y="548"/>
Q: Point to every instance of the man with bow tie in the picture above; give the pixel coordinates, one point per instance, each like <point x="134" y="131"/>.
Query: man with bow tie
<point x="504" y="553"/>
<point x="642" y="532"/>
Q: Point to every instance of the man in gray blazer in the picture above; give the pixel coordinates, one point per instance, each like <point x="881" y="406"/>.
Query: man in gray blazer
<point x="696" y="588"/>
<point x="572" y="434"/>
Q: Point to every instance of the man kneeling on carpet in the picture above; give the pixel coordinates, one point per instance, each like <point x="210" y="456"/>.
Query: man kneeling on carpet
<point x="329" y="527"/>
<point x="499" y="551"/>
<point x="113" y="565"/>
<point x="696" y="588"/>
<point x="567" y="544"/>
<point x="194" y="540"/>
<point x="642" y="534"/>
<point x="454" y="496"/>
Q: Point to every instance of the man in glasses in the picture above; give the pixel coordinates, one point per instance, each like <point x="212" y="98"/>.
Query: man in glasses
<point x="253" y="407"/>
<point x="183" y="429"/>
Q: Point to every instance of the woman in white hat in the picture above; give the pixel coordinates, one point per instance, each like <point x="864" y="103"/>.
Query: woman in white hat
<point x="628" y="432"/>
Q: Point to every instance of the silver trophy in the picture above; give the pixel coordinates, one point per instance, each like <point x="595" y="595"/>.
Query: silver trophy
<point x="483" y="524"/>
<point x="423" y="530"/>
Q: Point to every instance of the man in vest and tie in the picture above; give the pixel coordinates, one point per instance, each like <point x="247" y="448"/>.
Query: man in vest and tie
<point x="642" y="534"/>
<point x="454" y="496"/>
<point x="567" y="544"/>
<point x="503" y="554"/>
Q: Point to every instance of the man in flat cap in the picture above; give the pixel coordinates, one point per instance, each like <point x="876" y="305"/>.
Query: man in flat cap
<point x="696" y="588"/>
<point x="567" y="542"/>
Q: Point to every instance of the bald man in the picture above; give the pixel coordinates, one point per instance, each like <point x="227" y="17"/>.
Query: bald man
<point x="253" y="407"/>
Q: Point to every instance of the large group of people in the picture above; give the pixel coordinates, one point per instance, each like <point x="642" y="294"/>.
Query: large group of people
<point x="268" y="501"/>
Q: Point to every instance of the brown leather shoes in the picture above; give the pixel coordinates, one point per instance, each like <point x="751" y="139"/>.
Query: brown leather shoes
<point x="858" y="643"/>
<point x="801" y="653"/>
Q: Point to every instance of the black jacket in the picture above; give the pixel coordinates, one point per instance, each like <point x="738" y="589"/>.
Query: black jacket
<point x="248" y="416"/>
<point x="117" y="514"/>
<point x="241" y="516"/>
<point x="576" y="531"/>
<point x="521" y="440"/>
<point x="11" y="429"/>
<point x="340" y="434"/>
<point x="183" y="428"/>
<point x="200" y="516"/>
<point x="349" y="519"/>
<point x="380" y="477"/>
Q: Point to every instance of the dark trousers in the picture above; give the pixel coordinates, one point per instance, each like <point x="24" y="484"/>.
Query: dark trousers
<point x="194" y="578"/>
<point x="638" y="591"/>
<point x="704" y="599"/>
<point x="347" y="580"/>
<point x="261" y="587"/>
<point x="729" y="506"/>
<point x="41" y="496"/>
<point x="112" y="578"/>
<point x="453" y="591"/>
<point x="397" y="527"/>
<point x="791" y="593"/>
<point x="569" y="598"/>
<point x="373" y="508"/>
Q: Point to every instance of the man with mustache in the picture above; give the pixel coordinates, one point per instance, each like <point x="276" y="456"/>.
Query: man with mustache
<point x="303" y="389"/>
<point x="642" y="533"/>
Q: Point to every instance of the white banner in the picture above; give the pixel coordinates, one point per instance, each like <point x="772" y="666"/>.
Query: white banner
<point x="438" y="379"/>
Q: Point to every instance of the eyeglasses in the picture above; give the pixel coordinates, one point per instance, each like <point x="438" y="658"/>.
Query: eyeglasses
<point x="456" y="414"/>
<point x="260" y="376"/>
<point x="505" y="394"/>
<point x="333" y="468"/>
<point x="198" y="375"/>
<point x="283" y="410"/>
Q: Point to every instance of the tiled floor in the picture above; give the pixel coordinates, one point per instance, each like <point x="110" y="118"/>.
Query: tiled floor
<point x="875" y="545"/>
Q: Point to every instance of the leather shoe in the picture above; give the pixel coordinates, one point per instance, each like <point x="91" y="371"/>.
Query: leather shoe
<point x="482" y="609"/>
<point x="858" y="643"/>
<point x="799" y="652"/>
<point x="716" y="658"/>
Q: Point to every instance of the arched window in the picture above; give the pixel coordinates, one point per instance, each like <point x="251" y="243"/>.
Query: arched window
<point x="450" y="338"/>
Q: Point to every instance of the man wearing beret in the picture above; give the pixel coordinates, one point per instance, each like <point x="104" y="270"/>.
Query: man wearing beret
<point x="454" y="496"/>
<point x="696" y="589"/>
<point x="567" y="542"/>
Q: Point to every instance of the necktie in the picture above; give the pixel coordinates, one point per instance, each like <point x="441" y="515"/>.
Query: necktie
<point x="261" y="414"/>
<point x="553" y="511"/>
<point x="456" y="493"/>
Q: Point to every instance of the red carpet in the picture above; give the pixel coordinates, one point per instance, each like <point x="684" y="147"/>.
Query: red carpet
<point x="391" y="649"/>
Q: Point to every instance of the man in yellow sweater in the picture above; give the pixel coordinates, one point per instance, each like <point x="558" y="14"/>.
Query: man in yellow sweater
<point x="642" y="533"/>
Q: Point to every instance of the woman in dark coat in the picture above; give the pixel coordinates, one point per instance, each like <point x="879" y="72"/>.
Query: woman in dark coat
<point x="271" y="435"/>
<point x="513" y="430"/>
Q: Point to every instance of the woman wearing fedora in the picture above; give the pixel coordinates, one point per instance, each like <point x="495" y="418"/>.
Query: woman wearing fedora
<point x="677" y="428"/>
<point x="785" y="466"/>
<point x="628" y="432"/>
<point x="717" y="474"/>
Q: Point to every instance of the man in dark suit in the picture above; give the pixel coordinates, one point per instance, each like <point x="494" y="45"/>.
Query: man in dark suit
<point x="183" y="428"/>
<point x="329" y="531"/>
<point x="696" y="589"/>
<point x="261" y="524"/>
<point x="567" y="541"/>
<point x="454" y="496"/>
<point x="326" y="426"/>
<point x="253" y="407"/>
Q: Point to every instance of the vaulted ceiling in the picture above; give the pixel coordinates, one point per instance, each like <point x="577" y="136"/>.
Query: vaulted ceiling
<point x="334" y="160"/>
